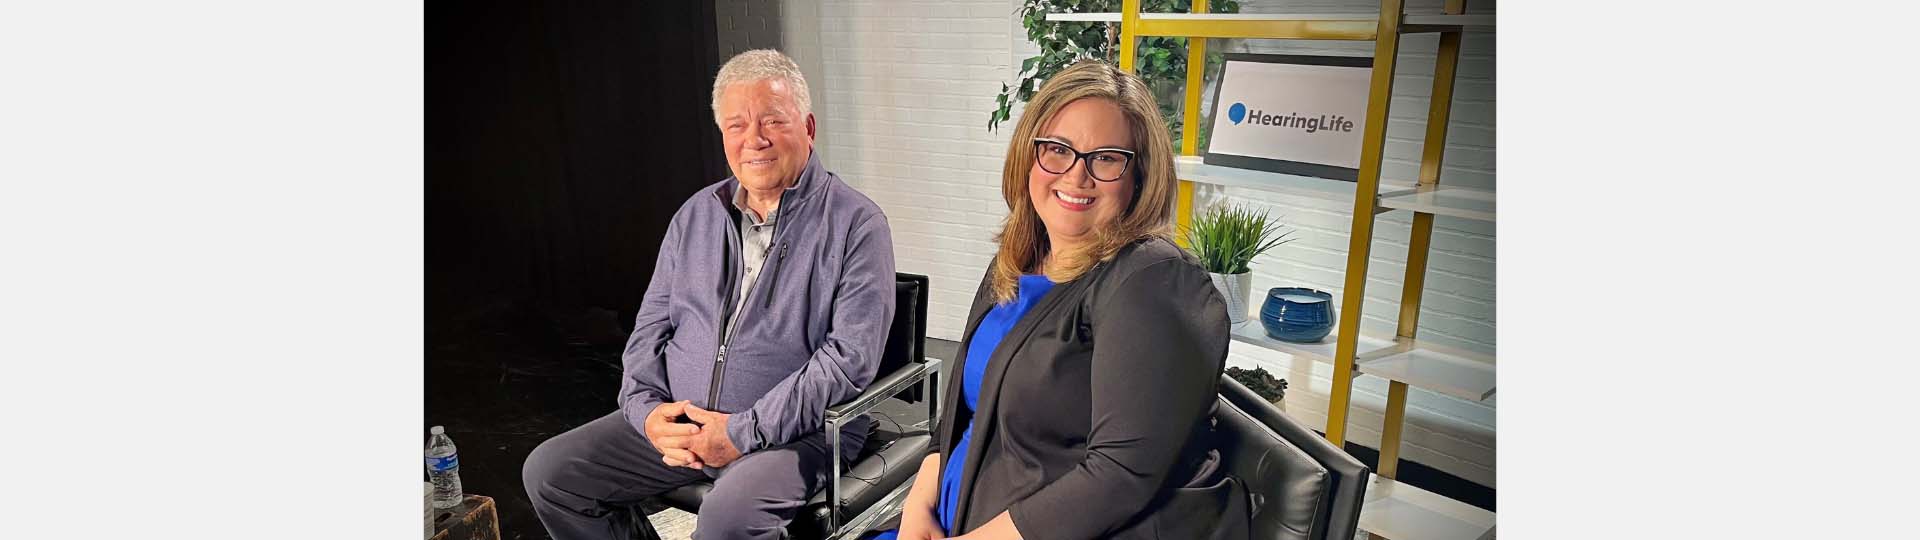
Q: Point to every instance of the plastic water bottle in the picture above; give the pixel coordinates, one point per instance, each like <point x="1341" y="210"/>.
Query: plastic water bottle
<point x="443" y="466"/>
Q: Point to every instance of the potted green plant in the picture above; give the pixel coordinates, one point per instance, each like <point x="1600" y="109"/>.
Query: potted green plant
<point x="1226" y="238"/>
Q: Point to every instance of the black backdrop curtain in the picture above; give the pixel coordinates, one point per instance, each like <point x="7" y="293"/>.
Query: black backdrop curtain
<point x="561" y="137"/>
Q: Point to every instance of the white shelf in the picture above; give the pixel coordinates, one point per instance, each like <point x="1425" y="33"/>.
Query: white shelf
<point x="1194" y="168"/>
<point x="1115" y="17"/>
<point x="1401" y="345"/>
<point x="1084" y="17"/>
<point x="1454" y="372"/>
<point x="1252" y="333"/>
<point x="1424" y="366"/>
<point x="1477" y="21"/>
<point x="1445" y="201"/>
<point x="1369" y="16"/>
<point x="1401" y="511"/>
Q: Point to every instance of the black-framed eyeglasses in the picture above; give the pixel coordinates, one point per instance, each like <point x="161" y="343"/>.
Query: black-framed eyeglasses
<point x="1103" y="164"/>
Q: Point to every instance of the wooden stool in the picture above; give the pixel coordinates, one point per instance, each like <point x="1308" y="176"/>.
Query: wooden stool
<point x="474" y="519"/>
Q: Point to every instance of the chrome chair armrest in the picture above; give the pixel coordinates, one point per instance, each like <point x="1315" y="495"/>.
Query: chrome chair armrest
<point x="882" y="389"/>
<point x="838" y="415"/>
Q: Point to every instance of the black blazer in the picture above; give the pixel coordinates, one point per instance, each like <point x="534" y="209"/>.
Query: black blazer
<point x="1093" y="418"/>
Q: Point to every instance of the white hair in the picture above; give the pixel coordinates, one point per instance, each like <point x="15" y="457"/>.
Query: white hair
<point x="758" y="65"/>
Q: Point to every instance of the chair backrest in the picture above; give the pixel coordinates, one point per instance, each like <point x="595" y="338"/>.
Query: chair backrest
<point x="907" y="335"/>
<point x="1302" y="486"/>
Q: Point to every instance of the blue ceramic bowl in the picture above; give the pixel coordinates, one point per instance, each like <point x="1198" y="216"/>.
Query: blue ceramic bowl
<point x="1297" y="314"/>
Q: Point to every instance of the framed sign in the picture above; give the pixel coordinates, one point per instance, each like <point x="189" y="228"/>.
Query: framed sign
<point x="1291" y="114"/>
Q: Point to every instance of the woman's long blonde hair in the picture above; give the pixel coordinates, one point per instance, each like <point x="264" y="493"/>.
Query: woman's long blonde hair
<point x="1023" y="238"/>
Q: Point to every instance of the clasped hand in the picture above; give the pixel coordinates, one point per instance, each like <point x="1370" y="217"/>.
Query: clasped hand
<point x="701" y="442"/>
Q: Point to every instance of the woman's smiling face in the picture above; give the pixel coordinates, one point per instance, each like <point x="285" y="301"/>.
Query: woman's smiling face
<point x="1073" y="205"/>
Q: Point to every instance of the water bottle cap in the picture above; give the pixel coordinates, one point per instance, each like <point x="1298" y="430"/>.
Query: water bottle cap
<point x="438" y="430"/>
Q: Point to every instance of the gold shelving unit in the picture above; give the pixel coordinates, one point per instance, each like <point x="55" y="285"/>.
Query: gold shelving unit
<point x="1393" y="510"/>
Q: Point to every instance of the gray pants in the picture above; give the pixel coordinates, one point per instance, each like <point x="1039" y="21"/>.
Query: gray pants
<point x="578" y="481"/>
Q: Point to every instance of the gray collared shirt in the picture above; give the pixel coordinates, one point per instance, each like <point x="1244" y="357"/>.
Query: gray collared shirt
<point x="756" y="244"/>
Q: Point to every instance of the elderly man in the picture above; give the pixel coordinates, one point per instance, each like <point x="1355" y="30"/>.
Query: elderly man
<point x="769" y="303"/>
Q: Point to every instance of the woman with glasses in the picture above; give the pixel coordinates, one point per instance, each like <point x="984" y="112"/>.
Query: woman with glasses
<point x="1092" y="348"/>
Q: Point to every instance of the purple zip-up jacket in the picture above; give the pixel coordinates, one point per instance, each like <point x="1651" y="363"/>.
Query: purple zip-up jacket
<point x="810" y="335"/>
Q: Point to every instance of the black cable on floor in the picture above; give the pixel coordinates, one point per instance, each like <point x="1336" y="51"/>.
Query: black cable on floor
<point x="881" y="453"/>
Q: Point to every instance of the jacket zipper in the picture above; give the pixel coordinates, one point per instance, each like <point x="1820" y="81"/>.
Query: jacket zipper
<point x="726" y="334"/>
<point x="767" y="303"/>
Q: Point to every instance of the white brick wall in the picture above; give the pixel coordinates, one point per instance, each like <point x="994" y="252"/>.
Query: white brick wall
<point x="907" y="87"/>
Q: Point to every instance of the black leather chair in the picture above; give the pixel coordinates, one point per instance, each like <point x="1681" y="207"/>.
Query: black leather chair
<point x="873" y="489"/>
<point x="1300" y="486"/>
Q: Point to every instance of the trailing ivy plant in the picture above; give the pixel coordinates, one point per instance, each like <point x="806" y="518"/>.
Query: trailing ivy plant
<point x="1264" y="384"/>
<point x="1160" y="61"/>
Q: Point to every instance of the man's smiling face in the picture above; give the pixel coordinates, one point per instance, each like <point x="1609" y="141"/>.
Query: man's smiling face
<point x="767" y="138"/>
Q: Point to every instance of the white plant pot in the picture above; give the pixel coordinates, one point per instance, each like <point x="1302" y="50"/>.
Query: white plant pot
<point x="1236" y="288"/>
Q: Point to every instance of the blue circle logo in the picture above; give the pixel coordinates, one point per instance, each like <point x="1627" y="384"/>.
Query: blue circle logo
<point x="1237" y="112"/>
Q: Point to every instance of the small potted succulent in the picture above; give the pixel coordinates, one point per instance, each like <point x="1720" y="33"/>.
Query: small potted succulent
<point x="1226" y="238"/>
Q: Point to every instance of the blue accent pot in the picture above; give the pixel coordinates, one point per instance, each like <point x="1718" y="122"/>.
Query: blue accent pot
<point x="1297" y="314"/>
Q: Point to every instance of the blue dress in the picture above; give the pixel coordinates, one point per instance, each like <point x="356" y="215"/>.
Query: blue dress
<point x="993" y="328"/>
